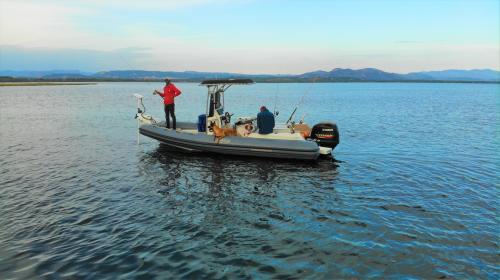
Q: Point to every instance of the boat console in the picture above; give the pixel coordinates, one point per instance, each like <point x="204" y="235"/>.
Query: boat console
<point x="215" y="101"/>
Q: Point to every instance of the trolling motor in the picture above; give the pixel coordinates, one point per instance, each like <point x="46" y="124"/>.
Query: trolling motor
<point x="141" y="117"/>
<point x="141" y="114"/>
<point x="139" y="103"/>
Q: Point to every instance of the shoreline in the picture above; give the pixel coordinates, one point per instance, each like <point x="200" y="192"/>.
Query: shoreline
<point x="17" y="84"/>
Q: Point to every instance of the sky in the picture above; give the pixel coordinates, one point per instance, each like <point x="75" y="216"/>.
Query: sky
<point x="249" y="36"/>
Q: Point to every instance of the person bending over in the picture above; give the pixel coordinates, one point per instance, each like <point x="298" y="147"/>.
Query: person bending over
<point x="170" y="91"/>
<point x="265" y="121"/>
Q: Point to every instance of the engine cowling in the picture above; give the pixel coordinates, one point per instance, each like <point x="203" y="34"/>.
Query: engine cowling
<point x="326" y="134"/>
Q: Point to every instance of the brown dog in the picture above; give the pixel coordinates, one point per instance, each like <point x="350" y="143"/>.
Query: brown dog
<point x="220" y="133"/>
<point x="303" y="129"/>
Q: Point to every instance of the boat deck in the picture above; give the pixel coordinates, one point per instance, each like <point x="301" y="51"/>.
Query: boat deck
<point x="279" y="133"/>
<point x="275" y="135"/>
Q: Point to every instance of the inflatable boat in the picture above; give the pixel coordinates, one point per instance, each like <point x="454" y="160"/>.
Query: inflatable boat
<point x="287" y="141"/>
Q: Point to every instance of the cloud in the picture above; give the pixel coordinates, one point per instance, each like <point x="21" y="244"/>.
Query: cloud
<point x="36" y="24"/>
<point x="407" y="42"/>
<point x="20" y="58"/>
<point x="150" y="5"/>
<point x="90" y="24"/>
<point x="101" y="35"/>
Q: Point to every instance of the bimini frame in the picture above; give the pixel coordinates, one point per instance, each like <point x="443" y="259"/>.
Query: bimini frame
<point x="215" y="98"/>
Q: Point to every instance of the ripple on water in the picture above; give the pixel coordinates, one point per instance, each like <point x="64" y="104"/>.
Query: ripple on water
<point x="413" y="195"/>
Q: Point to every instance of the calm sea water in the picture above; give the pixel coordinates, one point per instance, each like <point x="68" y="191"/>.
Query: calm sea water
<point x="415" y="194"/>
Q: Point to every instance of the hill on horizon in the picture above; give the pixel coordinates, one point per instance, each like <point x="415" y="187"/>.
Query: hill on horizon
<point x="374" y="74"/>
<point x="335" y="75"/>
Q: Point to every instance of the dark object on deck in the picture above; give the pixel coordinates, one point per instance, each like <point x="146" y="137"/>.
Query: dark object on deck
<point x="202" y="123"/>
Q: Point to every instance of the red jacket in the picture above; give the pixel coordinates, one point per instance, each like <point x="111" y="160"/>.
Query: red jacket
<point x="169" y="93"/>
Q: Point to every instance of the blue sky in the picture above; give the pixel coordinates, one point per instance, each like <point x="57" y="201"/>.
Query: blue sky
<point x="249" y="36"/>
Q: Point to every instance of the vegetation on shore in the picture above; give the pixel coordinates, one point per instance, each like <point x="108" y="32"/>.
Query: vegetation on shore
<point x="24" y="83"/>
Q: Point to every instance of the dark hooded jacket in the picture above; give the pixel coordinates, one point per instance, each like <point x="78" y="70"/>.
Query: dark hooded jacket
<point x="265" y="122"/>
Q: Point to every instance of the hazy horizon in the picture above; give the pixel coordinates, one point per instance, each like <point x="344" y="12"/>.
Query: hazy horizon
<point x="245" y="36"/>
<point x="262" y="73"/>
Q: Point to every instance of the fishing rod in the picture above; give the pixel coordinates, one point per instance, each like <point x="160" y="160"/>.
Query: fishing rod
<point x="291" y="116"/>
<point x="300" y="102"/>
<point x="276" y="100"/>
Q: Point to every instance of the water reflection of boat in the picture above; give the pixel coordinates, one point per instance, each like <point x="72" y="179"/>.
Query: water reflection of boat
<point x="225" y="187"/>
<point x="288" y="141"/>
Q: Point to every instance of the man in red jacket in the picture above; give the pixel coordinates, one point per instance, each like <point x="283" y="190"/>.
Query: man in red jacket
<point x="169" y="93"/>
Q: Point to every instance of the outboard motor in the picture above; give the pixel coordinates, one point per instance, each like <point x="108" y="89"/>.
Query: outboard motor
<point x="326" y="134"/>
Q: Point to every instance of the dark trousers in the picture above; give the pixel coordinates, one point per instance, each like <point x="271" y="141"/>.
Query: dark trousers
<point x="170" y="110"/>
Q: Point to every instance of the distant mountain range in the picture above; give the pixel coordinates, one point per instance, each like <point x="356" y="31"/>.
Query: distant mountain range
<point x="372" y="74"/>
<point x="335" y="75"/>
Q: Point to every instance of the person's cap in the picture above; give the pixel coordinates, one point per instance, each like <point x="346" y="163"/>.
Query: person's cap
<point x="263" y="108"/>
<point x="167" y="80"/>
